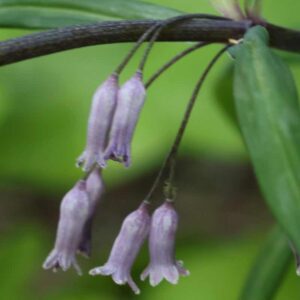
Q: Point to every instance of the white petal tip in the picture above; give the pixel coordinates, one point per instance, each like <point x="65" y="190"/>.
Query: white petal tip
<point x="298" y="271"/>
<point x="137" y="292"/>
<point x="95" y="271"/>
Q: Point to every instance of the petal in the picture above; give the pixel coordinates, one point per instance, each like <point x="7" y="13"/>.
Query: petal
<point x="133" y="286"/>
<point x="77" y="267"/>
<point x="119" y="277"/>
<point x="104" y="270"/>
<point x="156" y="276"/>
<point x="51" y="260"/>
<point x="182" y="271"/>
<point x="145" y="273"/>
<point x="65" y="261"/>
<point x="170" y="273"/>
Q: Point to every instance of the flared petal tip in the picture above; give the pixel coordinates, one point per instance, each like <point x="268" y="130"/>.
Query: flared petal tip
<point x="55" y="262"/>
<point x="298" y="271"/>
<point x="133" y="286"/>
<point x="95" y="271"/>
<point x="84" y="253"/>
<point x="104" y="270"/>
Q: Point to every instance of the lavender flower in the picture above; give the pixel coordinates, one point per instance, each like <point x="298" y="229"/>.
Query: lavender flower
<point x="134" y="231"/>
<point x="95" y="188"/>
<point x="74" y="211"/>
<point x="131" y="98"/>
<point x="101" y="114"/>
<point x="161" y="245"/>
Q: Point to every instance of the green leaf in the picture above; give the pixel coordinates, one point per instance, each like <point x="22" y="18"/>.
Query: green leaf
<point x="269" y="268"/>
<point x="56" y="13"/>
<point x="268" y="111"/>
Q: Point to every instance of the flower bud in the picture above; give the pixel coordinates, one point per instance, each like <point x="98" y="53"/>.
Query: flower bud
<point x="228" y="8"/>
<point x="101" y="114"/>
<point x="161" y="245"/>
<point x="74" y="211"/>
<point x="133" y="233"/>
<point x="131" y="99"/>
<point x="95" y="188"/>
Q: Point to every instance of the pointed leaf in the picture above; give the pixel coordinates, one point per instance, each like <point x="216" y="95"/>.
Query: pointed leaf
<point x="268" y="111"/>
<point x="269" y="268"/>
<point x="56" y="13"/>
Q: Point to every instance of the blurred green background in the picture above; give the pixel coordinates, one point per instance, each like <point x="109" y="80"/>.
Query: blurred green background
<point x="44" y="105"/>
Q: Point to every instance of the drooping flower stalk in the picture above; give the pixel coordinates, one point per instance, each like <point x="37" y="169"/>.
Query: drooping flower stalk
<point x="163" y="264"/>
<point x="101" y="114"/>
<point x="95" y="188"/>
<point x="133" y="233"/>
<point x="131" y="99"/>
<point x="74" y="212"/>
<point x="174" y="60"/>
<point x="170" y="160"/>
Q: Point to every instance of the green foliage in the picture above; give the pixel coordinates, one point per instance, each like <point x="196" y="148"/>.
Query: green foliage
<point x="269" y="269"/>
<point x="57" y="13"/>
<point x="268" y="111"/>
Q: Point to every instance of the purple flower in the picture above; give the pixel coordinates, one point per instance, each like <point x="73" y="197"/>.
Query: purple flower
<point x="95" y="188"/>
<point x="161" y="245"/>
<point x="74" y="211"/>
<point x="131" y="98"/>
<point x="134" y="231"/>
<point x="101" y="114"/>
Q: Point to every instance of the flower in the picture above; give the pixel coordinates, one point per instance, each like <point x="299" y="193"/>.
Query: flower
<point x="101" y="114"/>
<point x="133" y="233"/>
<point x="228" y="8"/>
<point x="74" y="211"/>
<point x="95" y="188"/>
<point x="131" y="99"/>
<point x="161" y="245"/>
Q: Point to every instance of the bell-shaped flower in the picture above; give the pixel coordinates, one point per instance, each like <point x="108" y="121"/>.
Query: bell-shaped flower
<point x="131" y="98"/>
<point x="101" y="114"/>
<point x="133" y="233"/>
<point x="74" y="211"/>
<point x="95" y="188"/>
<point x="161" y="245"/>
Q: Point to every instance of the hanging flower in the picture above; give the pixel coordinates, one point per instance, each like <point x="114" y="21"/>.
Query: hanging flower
<point x="74" y="211"/>
<point x="161" y="245"/>
<point x="101" y="114"/>
<point x="95" y="188"/>
<point x="133" y="233"/>
<point x="131" y="99"/>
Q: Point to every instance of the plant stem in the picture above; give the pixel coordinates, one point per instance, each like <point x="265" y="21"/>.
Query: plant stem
<point x="127" y="58"/>
<point x="166" y="23"/>
<point x="174" y="60"/>
<point x="169" y="161"/>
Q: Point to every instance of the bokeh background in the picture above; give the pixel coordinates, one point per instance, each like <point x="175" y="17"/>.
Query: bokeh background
<point x="44" y="105"/>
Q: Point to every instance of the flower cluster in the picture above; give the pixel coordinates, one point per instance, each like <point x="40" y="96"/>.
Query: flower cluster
<point x="112" y="121"/>
<point x="113" y="118"/>
<point x="137" y="226"/>
<point x="74" y="227"/>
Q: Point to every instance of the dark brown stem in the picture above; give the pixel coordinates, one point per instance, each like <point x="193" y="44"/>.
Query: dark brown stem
<point x="170" y="160"/>
<point x="173" y="61"/>
<point x="207" y="30"/>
